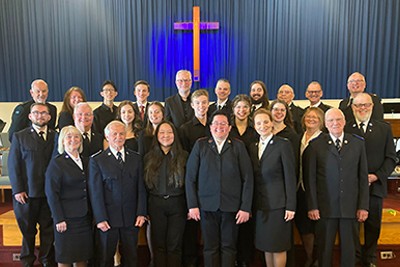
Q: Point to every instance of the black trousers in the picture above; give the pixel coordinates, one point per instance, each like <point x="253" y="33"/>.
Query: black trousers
<point x="35" y="211"/>
<point x="245" y="243"/>
<point x="107" y="246"/>
<point x="220" y="233"/>
<point x="372" y="230"/>
<point x="325" y="233"/>
<point x="168" y="219"/>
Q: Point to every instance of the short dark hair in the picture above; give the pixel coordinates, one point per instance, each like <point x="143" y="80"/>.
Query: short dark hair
<point x="141" y="82"/>
<point x="109" y="82"/>
<point x="217" y="113"/>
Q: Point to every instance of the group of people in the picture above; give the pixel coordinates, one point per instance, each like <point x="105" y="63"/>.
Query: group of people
<point x="244" y="171"/>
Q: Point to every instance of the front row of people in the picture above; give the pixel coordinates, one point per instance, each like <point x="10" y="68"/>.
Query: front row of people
<point x="221" y="184"/>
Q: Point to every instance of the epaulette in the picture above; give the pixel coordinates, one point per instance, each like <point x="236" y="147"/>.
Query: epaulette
<point x="358" y="136"/>
<point x="96" y="154"/>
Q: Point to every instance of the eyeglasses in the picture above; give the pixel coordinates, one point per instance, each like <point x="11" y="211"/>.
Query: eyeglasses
<point x="286" y="92"/>
<point x="184" y="80"/>
<point x="87" y="114"/>
<point x="313" y="92"/>
<point x="355" y="81"/>
<point x="39" y="113"/>
<point x="361" y="105"/>
<point x="108" y="90"/>
<point x="219" y="123"/>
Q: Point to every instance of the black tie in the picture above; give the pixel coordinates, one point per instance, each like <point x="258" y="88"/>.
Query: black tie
<point x="337" y="144"/>
<point x="253" y="108"/>
<point x="362" y="128"/>
<point x="41" y="135"/>
<point x="119" y="158"/>
<point x="86" y="141"/>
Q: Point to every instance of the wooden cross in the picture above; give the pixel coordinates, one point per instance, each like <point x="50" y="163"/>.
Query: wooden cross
<point x="196" y="25"/>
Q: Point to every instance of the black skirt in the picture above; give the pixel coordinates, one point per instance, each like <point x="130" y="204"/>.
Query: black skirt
<point x="75" y="244"/>
<point x="273" y="234"/>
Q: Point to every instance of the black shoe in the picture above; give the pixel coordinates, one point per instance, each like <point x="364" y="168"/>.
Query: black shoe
<point x="241" y="264"/>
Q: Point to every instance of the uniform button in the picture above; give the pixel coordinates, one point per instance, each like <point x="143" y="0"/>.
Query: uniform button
<point x="84" y="189"/>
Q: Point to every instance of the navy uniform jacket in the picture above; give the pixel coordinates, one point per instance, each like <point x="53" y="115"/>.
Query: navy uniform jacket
<point x="377" y="111"/>
<point x="381" y="155"/>
<point x="336" y="183"/>
<point x="117" y="192"/>
<point x="66" y="188"/>
<point x="297" y="114"/>
<point x="174" y="111"/>
<point x="28" y="159"/>
<point x="20" y="119"/>
<point x="274" y="175"/>
<point x="219" y="181"/>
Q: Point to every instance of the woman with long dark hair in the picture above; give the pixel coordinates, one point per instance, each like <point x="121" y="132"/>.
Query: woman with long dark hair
<point x="164" y="177"/>
<point x="127" y="114"/>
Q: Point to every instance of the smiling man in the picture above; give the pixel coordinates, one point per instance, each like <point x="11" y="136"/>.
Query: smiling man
<point x="381" y="158"/>
<point x="336" y="182"/>
<point x="141" y="92"/>
<point x="356" y="84"/>
<point x="219" y="190"/>
<point x="314" y="93"/>
<point x="222" y="90"/>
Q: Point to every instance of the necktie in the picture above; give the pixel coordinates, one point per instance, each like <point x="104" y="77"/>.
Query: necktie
<point x="261" y="148"/>
<point x="337" y="144"/>
<point x="86" y="141"/>
<point x="41" y="135"/>
<point x="253" y="108"/>
<point x="142" y="112"/>
<point x="119" y="158"/>
<point x="350" y="102"/>
<point x="362" y="128"/>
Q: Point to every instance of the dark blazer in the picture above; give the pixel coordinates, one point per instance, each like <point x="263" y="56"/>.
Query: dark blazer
<point x="66" y="188"/>
<point x="274" y="175"/>
<point x="227" y="108"/>
<point x="117" y="192"/>
<point x="381" y="155"/>
<point x="20" y="120"/>
<point x="219" y="181"/>
<point x="297" y="114"/>
<point x="137" y="111"/>
<point x="64" y="119"/>
<point x="28" y="160"/>
<point x="174" y="111"/>
<point x="336" y="183"/>
<point x="377" y="111"/>
<point x="322" y="106"/>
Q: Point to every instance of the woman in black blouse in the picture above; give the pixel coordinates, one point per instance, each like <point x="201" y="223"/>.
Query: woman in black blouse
<point x="164" y="178"/>
<point x="126" y="113"/>
<point x="73" y="96"/>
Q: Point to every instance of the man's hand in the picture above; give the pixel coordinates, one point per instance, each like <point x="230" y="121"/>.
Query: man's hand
<point x="314" y="215"/>
<point x="21" y="197"/>
<point x="61" y="227"/>
<point x="372" y="178"/>
<point x="242" y="216"/>
<point x="362" y="215"/>
<point x="194" y="214"/>
<point x="140" y="220"/>
<point x="103" y="226"/>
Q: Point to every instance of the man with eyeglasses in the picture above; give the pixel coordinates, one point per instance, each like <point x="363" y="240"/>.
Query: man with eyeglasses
<point x="219" y="190"/>
<point x="107" y="112"/>
<point x="30" y="154"/>
<point x="178" y="108"/>
<point x="356" y="84"/>
<point x="381" y="158"/>
<point x="39" y="92"/>
<point x="313" y="94"/>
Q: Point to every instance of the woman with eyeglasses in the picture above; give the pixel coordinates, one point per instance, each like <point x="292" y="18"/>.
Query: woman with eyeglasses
<point x="313" y="123"/>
